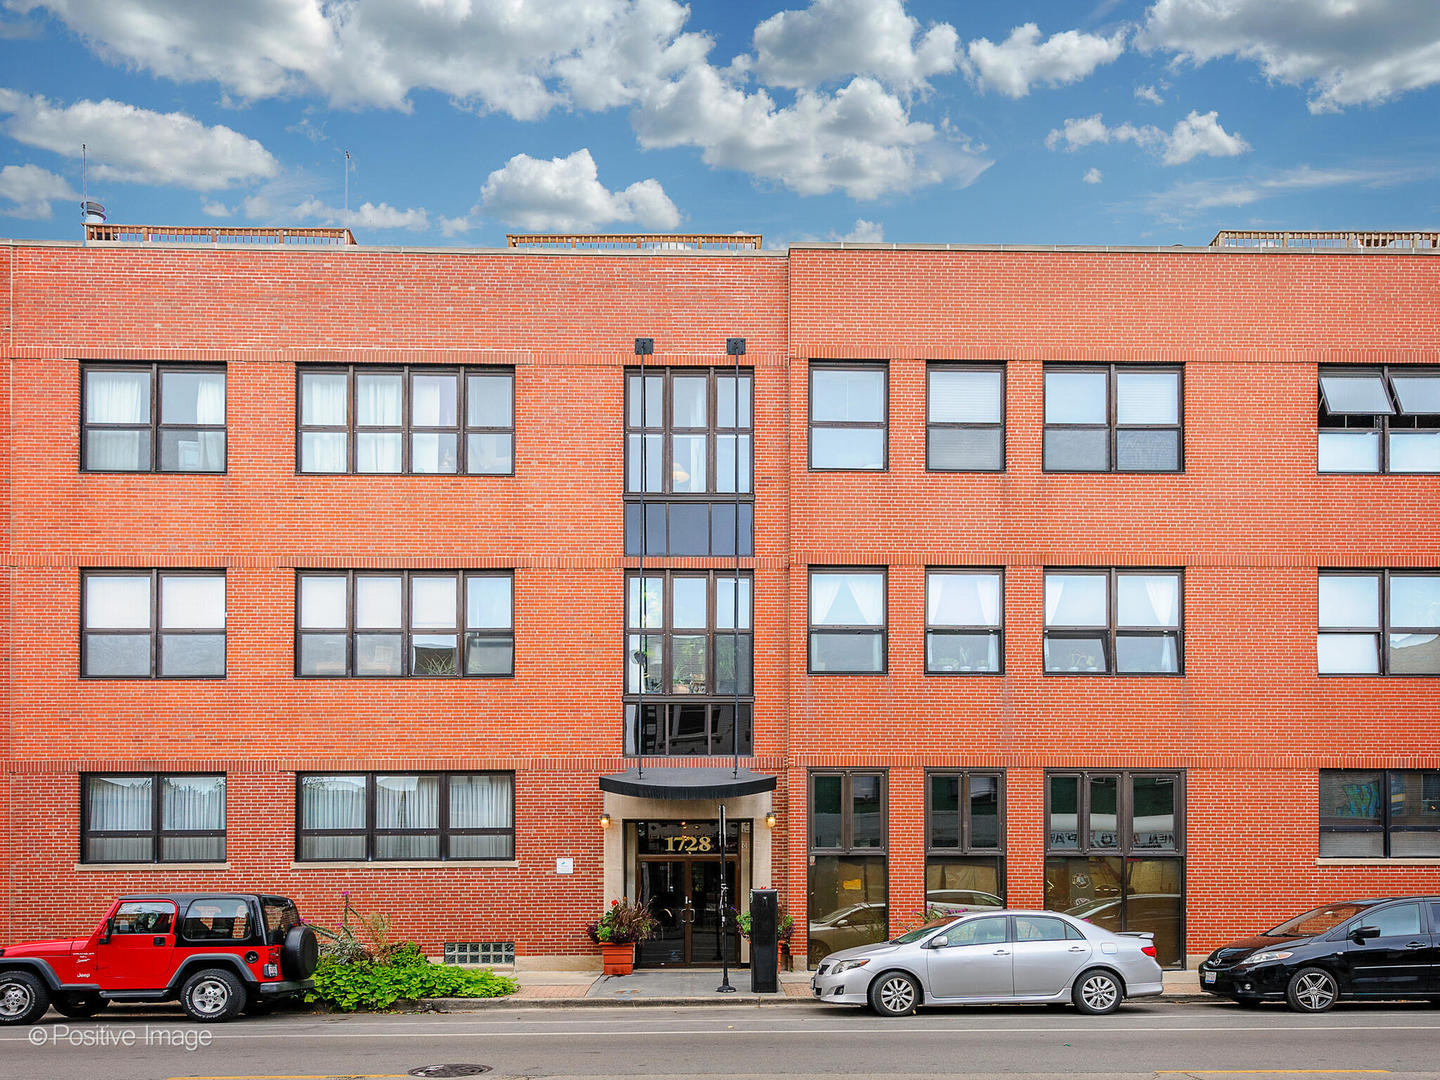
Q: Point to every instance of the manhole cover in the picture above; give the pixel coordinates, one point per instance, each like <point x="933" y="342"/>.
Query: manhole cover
<point x="450" y="1070"/>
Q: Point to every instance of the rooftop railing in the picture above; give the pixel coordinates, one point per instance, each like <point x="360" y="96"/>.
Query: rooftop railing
<point x="214" y="234"/>
<point x="635" y="241"/>
<point x="1260" y="238"/>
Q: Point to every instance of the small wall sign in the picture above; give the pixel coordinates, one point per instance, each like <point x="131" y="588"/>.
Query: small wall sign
<point x="564" y="866"/>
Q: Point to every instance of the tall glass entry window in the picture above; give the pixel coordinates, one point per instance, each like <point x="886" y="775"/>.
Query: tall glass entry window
<point x="678" y="875"/>
<point x="964" y="840"/>
<point x="1115" y="852"/>
<point x="848" y="895"/>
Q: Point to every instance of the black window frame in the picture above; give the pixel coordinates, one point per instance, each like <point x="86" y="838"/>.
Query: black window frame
<point x="406" y="631"/>
<point x="155" y="631"/>
<point x="1113" y="629"/>
<point x="1383" y="632"/>
<point x="966" y="845"/>
<point x="932" y="425"/>
<point x="847" y="822"/>
<point x="1124" y="812"/>
<point x="370" y="831"/>
<point x="407" y="429"/>
<point x="155" y="426"/>
<point x="997" y="631"/>
<point x="1382" y="422"/>
<point x="156" y="833"/>
<point x="1386" y="826"/>
<point x="883" y="425"/>
<point x="1112" y="424"/>
<point x="883" y="632"/>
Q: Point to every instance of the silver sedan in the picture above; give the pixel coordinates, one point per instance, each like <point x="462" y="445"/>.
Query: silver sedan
<point x="994" y="956"/>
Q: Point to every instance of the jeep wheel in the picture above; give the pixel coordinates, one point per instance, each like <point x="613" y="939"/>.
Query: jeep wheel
<point x="212" y="996"/>
<point x="23" y="998"/>
<point x="77" y="1005"/>
<point x="300" y="953"/>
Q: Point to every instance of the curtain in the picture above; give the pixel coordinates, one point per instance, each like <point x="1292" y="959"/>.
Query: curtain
<point x="210" y="400"/>
<point x="1164" y="596"/>
<point x="1075" y="397"/>
<point x="192" y="602"/>
<point x="966" y="397"/>
<point x="407" y="802"/>
<point x="487" y="603"/>
<point x="192" y="802"/>
<point x="489" y="401"/>
<point x="322" y="451"/>
<point x="482" y="802"/>
<point x="332" y="802"/>
<point x="688" y="470"/>
<point x="120" y="803"/>
<point x="432" y="603"/>
<point x="378" y="451"/>
<point x="323" y="399"/>
<point x="322" y="603"/>
<point x="432" y="401"/>
<point x="117" y="397"/>
<point x="1147" y="397"/>
<point x="377" y="602"/>
<point x="824" y="589"/>
<point x="378" y="399"/>
<point x="117" y="603"/>
<point x="964" y="600"/>
<point x="1075" y="600"/>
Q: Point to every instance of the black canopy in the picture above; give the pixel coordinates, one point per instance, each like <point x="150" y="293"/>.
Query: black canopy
<point x="699" y="783"/>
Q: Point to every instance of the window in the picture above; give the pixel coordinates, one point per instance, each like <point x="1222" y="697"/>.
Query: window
<point x="1379" y="622"/>
<point x="217" y="919"/>
<point x="965" y="418"/>
<point x="1379" y="813"/>
<point x="153" y="418"/>
<point x="412" y="420"/>
<point x="151" y="917"/>
<point x="1126" y="622"/>
<point x="964" y="840"/>
<point x="689" y="437"/>
<point x="848" y="409"/>
<point x="964" y="612"/>
<point x="689" y="654"/>
<point x="1115" y="843"/>
<point x="409" y="816"/>
<point x="401" y="623"/>
<point x="152" y="818"/>
<point x="1115" y="418"/>
<point x="847" y="622"/>
<point x="479" y="952"/>
<point x="1379" y="420"/>
<point x="122" y="638"/>
<point x="848" y="885"/>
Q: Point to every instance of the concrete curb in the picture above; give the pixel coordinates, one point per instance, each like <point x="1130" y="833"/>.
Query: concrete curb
<point x="449" y="1005"/>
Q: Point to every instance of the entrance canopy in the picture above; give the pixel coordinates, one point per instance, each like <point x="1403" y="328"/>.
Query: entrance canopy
<point x="705" y="783"/>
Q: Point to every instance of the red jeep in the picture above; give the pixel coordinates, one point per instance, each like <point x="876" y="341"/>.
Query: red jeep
<point x="218" y="953"/>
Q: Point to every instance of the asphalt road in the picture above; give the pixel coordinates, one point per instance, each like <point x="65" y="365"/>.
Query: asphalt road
<point x="1198" y="1041"/>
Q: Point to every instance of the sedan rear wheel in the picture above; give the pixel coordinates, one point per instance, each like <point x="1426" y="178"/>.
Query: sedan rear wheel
<point x="894" y="994"/>
<point x="1097" y="992"/>
<point x="1312" y="990"/>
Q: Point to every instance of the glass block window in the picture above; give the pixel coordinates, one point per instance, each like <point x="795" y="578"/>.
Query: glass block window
<point x="479" y="952"/>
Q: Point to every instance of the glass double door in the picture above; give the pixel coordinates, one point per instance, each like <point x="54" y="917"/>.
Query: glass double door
<point x="684" y="896"/>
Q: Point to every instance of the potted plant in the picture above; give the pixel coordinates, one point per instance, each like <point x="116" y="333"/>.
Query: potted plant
<point x="617" y="930"/>
<point x="784" y="929"/>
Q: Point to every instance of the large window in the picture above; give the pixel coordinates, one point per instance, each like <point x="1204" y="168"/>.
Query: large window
<point x="1115" y="418"/>
<point x="1115" y="846"/>
<point x="397" y="623"/>
<point x="689" y="446"/>
<point x="965" y="418"/>
<point x="1380" y="813"/>
<point x="409" y="816"/>
<point x="152" y="818"/>
<point x="689" y="655"/>
<point x="1102" y="622"/>
<point x="847" y="622"/>
<point x="140" y="624"/>
<point x="964" y="616"/>
<point x="848" y="888"/>
<point x="1379" y="420"/>
<point x="964" y="839"/>
<point x="153" y="418"/>
<point x="416" y="420"/>
<point x="848" y="415"/>
<point x="1379" y="622"/>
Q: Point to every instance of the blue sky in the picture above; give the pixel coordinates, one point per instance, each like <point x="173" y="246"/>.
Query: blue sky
<point x="1025" y="121"/>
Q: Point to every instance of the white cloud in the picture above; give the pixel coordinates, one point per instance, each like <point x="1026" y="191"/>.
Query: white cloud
<point x="264" y="207"/>
<point x="30" y="190"/>
<point x="132" y="145"/>
<point x="451" y="227"/>
<point x="1022" y="60"/>
<point x="864" y="232"/>
<point x="1192" y="137"/>
<point x="565" y="195"/>
<point x="215" y="209"/>
<point x="1150" y="94"/>
<point x="1347" y="52"/>
<point x="833" y="39"/>
<point x="1094" y="176"/>
<point x="1181" y="202"/>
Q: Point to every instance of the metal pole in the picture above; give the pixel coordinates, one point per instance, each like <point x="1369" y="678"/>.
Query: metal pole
<point x="724" y="987"/>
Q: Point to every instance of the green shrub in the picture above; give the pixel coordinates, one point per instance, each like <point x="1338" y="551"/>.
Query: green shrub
<point x="406" y="974"/>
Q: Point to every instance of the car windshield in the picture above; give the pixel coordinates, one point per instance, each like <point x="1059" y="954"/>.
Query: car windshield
<point x="920" y="932"/>
<point x="1316" y="922"/>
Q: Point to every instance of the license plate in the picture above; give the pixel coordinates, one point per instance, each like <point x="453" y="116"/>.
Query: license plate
<point x="1209" y="976"/>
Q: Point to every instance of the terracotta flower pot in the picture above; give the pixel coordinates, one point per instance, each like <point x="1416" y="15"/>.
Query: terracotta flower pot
<point x="619" y="959"/>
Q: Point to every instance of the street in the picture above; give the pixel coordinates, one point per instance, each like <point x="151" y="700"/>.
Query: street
<point x="1147" y="1041"/>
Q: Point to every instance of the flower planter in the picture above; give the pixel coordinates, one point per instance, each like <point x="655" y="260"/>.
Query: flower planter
<point x="619" y="959"/>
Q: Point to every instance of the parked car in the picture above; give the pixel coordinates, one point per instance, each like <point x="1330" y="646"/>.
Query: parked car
<point x="994" y="956"/>
<point x="217" y="953"/>
<point x="1382" y="948"/>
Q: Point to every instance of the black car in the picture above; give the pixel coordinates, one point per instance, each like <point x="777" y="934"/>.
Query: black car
<point x="1383" y="948"/>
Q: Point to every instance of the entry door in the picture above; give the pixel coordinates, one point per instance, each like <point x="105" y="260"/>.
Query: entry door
<point x="684" y="896"/>
<point x="705" y="941"/>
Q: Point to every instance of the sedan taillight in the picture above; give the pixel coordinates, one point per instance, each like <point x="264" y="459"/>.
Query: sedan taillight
<point x="1148" y="950"/>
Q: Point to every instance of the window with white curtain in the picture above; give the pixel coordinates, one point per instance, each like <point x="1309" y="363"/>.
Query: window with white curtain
<point x="1378" y="622"/>
<point x="409" y="420"/>
<point x="153" y="624"/>
<point x="965" y="418"/>
<point x="153" y="418"/>
<point x="1113" y="418"/>
<point x="964" y="617"/>
<point x="849" y="412"/>
<point x="367" y="623"/>
<point x="847" y="622"/>
<point x="405" y="816"/>
<point x="1104" y="622"/>
<point x="152" y="818"/>
<point x="1379" y="420"/>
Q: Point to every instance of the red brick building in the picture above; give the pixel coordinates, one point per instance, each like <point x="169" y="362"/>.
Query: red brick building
<point x="1102" y="579"/>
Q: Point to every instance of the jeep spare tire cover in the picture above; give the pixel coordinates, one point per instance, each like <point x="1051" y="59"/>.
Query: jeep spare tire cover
<point x="300" y="953"/>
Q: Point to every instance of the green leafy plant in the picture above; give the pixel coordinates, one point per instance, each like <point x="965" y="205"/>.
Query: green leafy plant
<point x="623" y="923"/>
<point x="784" y="924"/>
<point x="405" y="974"/>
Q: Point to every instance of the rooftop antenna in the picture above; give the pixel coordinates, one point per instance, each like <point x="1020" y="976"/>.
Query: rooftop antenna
<point x="347" y="184"/>
<point x="91" y="213"/>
